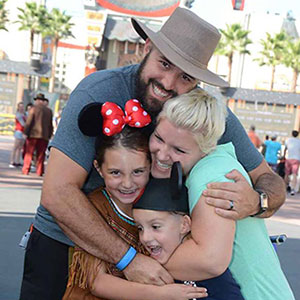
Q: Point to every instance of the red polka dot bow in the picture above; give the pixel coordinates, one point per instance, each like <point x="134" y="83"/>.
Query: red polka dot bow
<point x="114" y="118"/>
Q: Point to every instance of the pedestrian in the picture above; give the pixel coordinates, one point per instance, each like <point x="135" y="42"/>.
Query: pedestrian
<point x="123" y="161"/>
<point x="163" y="221"/>
<point x="28" y="107"/>
<point x="273" y="149"/>
<point x="20" y="120"/>
<point x="263" y="149"/>
<point x="38" y="130"/>
<point x="174" y="63"/>
<point x="187" y="131"/>
<point x="292" y="161"/>
<point x="254" y="137"/>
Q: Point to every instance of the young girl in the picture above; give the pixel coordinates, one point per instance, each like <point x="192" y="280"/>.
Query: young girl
<point x="188" y="129"/>
<point x="162" y="218"/>
<point x="123" y="160"/>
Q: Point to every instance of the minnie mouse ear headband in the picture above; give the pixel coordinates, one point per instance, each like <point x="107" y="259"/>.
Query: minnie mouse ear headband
<point x="165" y="194"/>
<point x="109" y="119"/>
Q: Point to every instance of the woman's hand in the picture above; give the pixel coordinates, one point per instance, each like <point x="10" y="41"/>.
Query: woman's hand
<point x="181" y="292"/>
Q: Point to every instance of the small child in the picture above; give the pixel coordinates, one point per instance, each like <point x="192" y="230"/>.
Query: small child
<point x="123" y="161"/>
<point x="163" y="223"/>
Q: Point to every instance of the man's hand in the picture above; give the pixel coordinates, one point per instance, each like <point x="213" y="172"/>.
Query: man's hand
<point x="245" y="198"/>
<point x="146" y="270"/>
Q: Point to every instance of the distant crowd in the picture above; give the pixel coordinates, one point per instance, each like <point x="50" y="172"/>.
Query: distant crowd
<point x="34" y="127"/>
<point x="283" y="158"/>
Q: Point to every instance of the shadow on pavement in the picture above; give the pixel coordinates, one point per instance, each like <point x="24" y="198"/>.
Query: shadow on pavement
<point x="11" y="231"/>
<point x="289" y="258"/>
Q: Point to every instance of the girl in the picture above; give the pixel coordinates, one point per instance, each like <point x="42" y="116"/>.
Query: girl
<point x="123" y="160"/>
<point x="188" y="129"/>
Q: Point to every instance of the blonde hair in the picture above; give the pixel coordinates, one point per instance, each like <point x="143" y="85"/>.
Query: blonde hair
<point x="199" y="113"/>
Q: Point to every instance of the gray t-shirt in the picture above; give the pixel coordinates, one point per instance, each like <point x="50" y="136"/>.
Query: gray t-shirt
<point x="117" y="85"/>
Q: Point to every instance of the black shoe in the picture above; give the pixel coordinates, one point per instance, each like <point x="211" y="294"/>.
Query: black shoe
<point x="288" y="189"/>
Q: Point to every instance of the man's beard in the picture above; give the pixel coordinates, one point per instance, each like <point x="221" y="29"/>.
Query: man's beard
<point x="150" y="104"/>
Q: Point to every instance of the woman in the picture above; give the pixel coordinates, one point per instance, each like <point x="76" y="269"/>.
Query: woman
<point x="20" y="120"/>
<point x="187" y="131"/>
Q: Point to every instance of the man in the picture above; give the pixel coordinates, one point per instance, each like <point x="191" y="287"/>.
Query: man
<point x="254" y="137"/>
<point x="175" y="61"/>
<point x="38" y="130"/>
<point x="292" y="162"/>
<point x="272" y="151"/>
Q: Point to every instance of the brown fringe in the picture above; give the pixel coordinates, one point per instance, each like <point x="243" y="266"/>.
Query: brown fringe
<point x="83" y="269"/>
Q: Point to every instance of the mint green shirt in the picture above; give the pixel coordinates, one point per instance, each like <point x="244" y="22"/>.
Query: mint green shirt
<point x="254" y="264"/>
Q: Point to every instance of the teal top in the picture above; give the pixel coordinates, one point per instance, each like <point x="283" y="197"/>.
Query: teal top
<point x="254" y="264"/>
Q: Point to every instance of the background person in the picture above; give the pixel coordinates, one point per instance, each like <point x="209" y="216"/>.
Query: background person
<point x="38" y="130"/>
<point x="187" y="131"/>
<point x="163" y="73"/>
<point x="292" y="161"/>
<point x="20" y="120"/>
<point x="254" y="137"/>
<point x="272" y="153"/>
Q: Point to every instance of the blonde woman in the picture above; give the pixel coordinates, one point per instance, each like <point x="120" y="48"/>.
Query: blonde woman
<point x="188" y="131"/>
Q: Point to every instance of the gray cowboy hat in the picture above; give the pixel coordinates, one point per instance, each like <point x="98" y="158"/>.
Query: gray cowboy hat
<point x="188" y="42"/>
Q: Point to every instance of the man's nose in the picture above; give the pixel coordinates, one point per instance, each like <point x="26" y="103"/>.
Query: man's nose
<point x="169" y="82"/>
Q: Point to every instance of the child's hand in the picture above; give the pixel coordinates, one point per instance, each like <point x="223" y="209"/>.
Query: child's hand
<point x="176" y="291"/>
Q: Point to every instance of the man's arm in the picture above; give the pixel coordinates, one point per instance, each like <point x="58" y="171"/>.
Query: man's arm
<point x="62" y="197"/>
<point x="245" y="198"/>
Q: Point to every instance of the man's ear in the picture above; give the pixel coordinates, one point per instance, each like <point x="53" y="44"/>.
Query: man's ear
<point x="148" y="46"/>
<point x="186" y="225"/>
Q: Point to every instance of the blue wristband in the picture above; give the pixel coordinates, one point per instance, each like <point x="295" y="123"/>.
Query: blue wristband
<point x="126" y="259"/>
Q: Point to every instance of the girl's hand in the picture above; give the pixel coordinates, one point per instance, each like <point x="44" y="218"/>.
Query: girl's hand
<point x="176" y="291"/>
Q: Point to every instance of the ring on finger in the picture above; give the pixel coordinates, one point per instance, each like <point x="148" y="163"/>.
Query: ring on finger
<point x="231" y="205"/>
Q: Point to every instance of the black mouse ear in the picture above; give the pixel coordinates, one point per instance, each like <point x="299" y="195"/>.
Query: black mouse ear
<point x="176" y="180"/>
<point x="90" y="119"/>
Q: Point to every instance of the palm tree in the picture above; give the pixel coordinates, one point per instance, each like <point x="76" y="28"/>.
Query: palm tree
<point x="3" y="15"/>
<point x="234" y="39"/>
<point x="272" y="53"/>
<point x="32" y="18"/>
<point x="58" y="27"/>
<point x="292" y="60"/>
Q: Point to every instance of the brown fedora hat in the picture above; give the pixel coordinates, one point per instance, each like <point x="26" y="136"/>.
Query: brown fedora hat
<point x="188" y="42"/>
<point x="40" y="96"/>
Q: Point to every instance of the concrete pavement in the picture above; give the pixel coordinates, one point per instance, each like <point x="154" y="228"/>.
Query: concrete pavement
<point x="19" y="198"/>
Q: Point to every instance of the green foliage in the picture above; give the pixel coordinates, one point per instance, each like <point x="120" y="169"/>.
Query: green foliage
<point x="3" y="15"/>
<point x="291" y="57"/>
<point x="273" y="49"/>
<point x="234" y="39"/>
<point x="58" y="25"/>
<point x="32" y="17"/>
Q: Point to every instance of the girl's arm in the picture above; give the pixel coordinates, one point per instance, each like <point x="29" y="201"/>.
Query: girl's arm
<point x="115" y="288"/>
<point x="208" y="253"/>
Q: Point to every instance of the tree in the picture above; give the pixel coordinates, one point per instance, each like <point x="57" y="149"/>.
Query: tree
<point x="3" y="15"/>
<point x="292" y="60"/>
<point x="58" y="27"/>
<point x="32" y="19"/>
<point x="234" y="39"/>
<point x="273" y="52"/>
